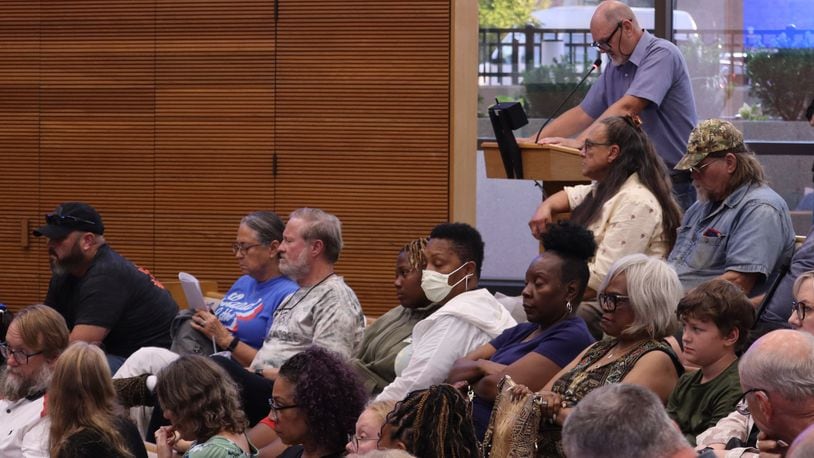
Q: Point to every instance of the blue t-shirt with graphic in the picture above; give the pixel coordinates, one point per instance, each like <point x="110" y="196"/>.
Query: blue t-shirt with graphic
<point x="248" y="307"/>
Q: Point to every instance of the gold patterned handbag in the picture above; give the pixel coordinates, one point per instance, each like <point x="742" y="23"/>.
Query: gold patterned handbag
<point x="514" y="426"/>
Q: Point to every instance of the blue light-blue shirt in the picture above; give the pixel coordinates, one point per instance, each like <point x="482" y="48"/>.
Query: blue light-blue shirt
<point x="657" y="72"/>
<point x="749" y="232"/>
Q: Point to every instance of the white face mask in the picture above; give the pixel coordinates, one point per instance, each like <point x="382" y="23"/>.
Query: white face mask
<point x="436" y="285"/>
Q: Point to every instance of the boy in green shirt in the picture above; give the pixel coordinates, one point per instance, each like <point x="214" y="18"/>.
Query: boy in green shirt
<point x="716" y="317"/>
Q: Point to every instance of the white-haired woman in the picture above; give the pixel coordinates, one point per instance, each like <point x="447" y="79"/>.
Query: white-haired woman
<point x="638" y="299"/>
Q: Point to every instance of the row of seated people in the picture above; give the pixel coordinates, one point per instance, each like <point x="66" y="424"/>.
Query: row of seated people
<point x="318" y="396"/>
<point x="739" y="230"/>
<point x="458" y="317"/>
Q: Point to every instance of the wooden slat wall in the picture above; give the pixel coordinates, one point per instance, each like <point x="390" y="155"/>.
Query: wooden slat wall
<point x="167" y="115"/>
<point x="363" y="126"/>
<point x="214" y="135"/>
<point x="19" y="151"/>
<point x="96" y="111"/>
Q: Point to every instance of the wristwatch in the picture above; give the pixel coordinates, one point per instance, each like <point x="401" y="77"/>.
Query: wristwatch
<point x="233" y="344"/>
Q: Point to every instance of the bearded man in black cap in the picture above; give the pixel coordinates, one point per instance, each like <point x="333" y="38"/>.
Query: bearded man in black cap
<point x="105" y="299"/>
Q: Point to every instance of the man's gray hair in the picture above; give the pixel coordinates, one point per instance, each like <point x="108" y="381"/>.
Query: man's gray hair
<point x="320" y="225"/>
<point x="654" y="290"/>
<point x="627" y="419"/>
<point x="781" y="362"/>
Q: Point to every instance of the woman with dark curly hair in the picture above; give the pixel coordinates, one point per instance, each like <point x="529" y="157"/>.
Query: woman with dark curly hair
<point x="531" y="353"/>
<point x="435" y="422"/>
<point x="202" y="403"/>
<point x="316" y="400"/>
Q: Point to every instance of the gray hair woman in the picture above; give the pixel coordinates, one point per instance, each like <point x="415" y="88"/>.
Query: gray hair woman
<point x="638" y="299"/>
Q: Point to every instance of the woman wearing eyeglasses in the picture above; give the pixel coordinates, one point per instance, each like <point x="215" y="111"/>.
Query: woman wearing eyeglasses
<point x="638" y="299"/>
<point x="242" y="319"/>
<point x="202" y="403"/>
<point x="368" y="427"/>
<point x="629" y="206"/>
<point x="315" y="403"/>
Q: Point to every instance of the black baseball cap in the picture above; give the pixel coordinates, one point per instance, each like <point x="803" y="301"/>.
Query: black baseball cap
<point x="69" y="217"/>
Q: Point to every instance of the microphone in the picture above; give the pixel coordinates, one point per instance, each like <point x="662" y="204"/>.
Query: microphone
<point x="597" y="63"/>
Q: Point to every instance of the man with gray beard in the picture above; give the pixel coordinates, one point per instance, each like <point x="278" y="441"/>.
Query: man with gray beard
<point x="739" y="229"/>
<point x="34" y="341"/>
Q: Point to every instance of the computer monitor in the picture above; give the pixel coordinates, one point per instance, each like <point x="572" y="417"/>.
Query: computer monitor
<point x="506" y="117"/>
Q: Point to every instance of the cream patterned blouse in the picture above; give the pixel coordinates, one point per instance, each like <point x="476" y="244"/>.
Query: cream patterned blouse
<point x="630" y="222"/>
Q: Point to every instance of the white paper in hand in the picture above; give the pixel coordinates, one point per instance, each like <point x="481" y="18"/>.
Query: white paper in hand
<point x="192" y="291"/>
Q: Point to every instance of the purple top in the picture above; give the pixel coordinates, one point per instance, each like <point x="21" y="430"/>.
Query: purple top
<point x="561" y="343"/>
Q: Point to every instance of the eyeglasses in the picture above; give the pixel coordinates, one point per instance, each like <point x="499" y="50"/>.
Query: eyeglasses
<point x="243" y="248"/>
<point x="609" y="301"/>
<point x="55" y="219"/>
<point x="742" y="407"/>
<point x="604" y="45"/>
<point x="274" y="413"/>
<point x="19" y="355"/>
<point x="800" y="308"/>
<point x="589" y="144"/>
<point x="698" y="169"/>
<point x="354" y="439"/>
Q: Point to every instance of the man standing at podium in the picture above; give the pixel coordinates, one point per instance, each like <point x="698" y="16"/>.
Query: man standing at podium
<point x="649" y="78"/>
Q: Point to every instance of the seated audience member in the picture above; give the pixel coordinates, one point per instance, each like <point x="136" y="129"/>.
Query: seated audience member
<point x="324" y="311"/>
<point x="531" y="353"/>
<point x="468" y="317"/>
<point x="203" y="406"/>
<point x="629" y="207"/>
<point x="638" y="298"/>
<point x="387" y="336"/>
<point x="626" y="421"/>
<point x="737" y="432"/>
<point x="777" y="308"/>
<point x="316" y="401"/>
<point x="105" y="298"/>
<point x="368" y="427"/>
<point x="776" y="373"/>
<point x="243" y="318"/>
<point x="716" y="317"/>
<point x="86" y="420"/>
<point x="739" y="229"/>
<point x="434" y="422"/>
<point x="34" y="341"/>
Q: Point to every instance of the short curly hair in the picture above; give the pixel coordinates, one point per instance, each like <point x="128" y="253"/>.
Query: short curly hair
<point x="202" y="396"/>
<point x="329" y="392"/>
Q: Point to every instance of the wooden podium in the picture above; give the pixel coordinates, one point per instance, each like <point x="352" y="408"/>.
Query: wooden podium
<point x="557" y="166"/>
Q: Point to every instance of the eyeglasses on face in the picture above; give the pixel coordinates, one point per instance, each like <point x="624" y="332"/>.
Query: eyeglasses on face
<point x="589" y="144"/>
<point x="19" y="355"/>
<point x="354" y="439"/>
<point x="800" y="308"/>
<point x="742" y="407"/>
<point x="609" y="301"/>
<point x="243" y="248"/>
<point x="604" y="45"/>
<point x="274" y="413"/>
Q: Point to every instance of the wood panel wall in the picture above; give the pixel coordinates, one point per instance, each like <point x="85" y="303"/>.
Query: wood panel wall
<point x="177" y="117"/>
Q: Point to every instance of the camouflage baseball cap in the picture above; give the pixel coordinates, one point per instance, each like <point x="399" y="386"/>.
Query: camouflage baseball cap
<point x="711" y="136"/>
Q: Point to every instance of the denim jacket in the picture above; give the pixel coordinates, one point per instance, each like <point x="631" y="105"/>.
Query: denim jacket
<point x="749" y="232"/>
